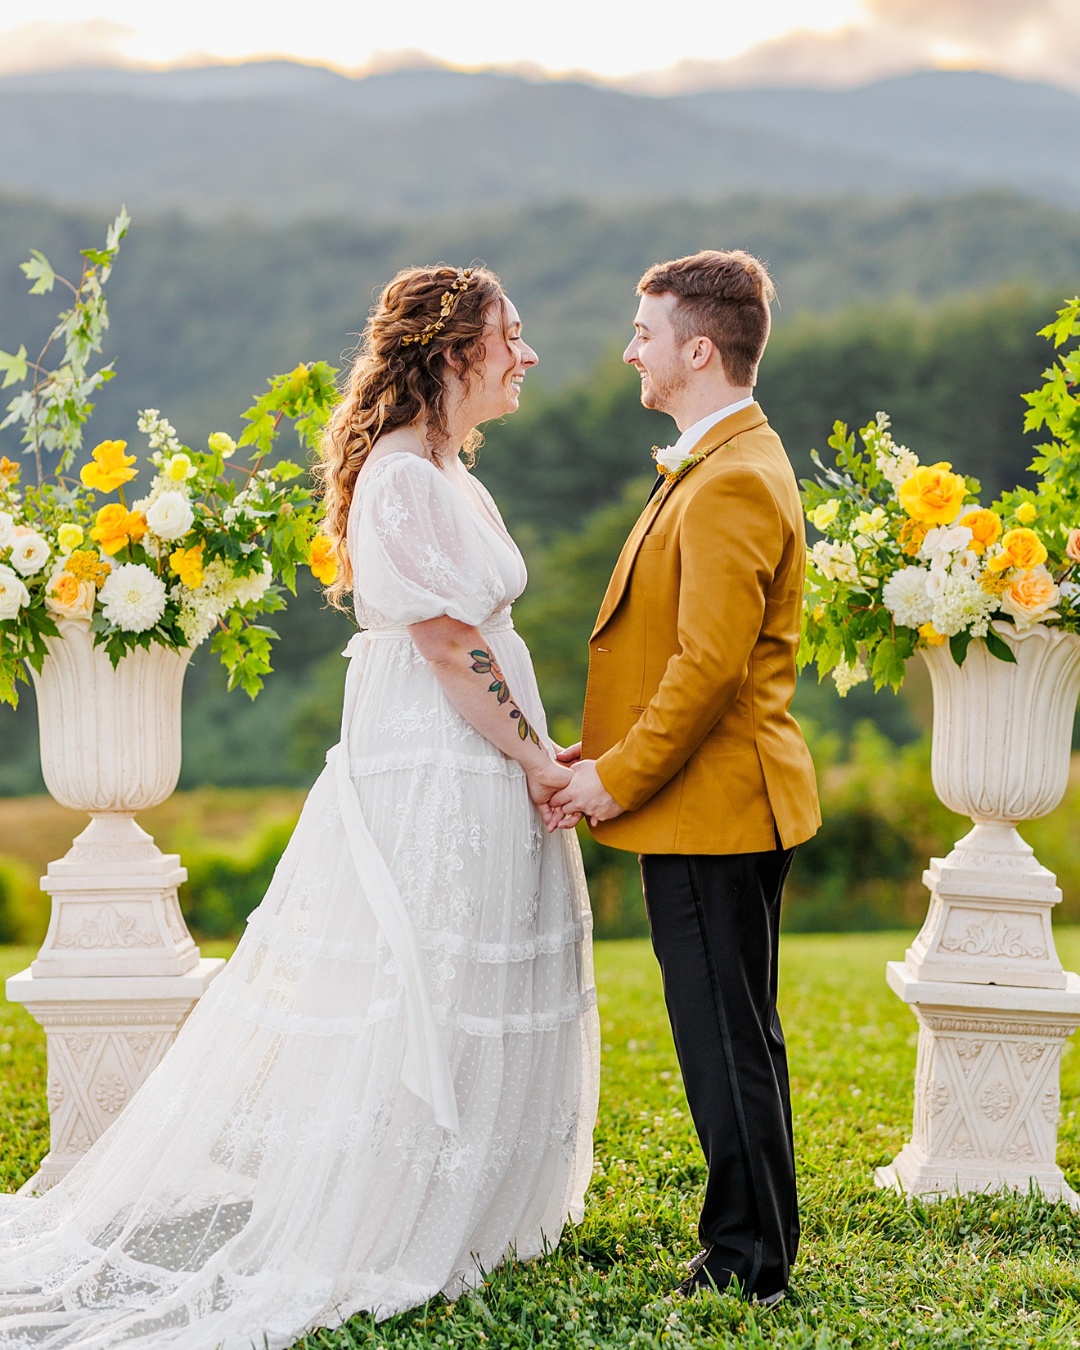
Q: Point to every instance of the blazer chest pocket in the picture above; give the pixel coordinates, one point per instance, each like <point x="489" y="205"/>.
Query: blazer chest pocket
<point x="652" y="542"/>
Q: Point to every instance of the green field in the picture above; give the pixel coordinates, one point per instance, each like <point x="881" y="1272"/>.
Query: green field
<point x="873" y="1271"/>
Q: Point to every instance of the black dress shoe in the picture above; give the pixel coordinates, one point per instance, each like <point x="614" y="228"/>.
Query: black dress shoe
<point x="717" y="1280"/>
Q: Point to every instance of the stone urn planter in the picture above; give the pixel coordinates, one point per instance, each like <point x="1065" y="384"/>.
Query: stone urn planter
<point x="983" y="978"/>
<point x="118" y="971"/>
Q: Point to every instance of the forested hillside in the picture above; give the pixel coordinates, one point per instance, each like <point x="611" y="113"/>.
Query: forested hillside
<point x="280" y="141"/>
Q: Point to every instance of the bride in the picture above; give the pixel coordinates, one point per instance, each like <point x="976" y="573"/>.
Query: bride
<point x="392" y="1086"/>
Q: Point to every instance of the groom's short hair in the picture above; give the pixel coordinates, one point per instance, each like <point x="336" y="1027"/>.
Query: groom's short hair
<point x="723" y="296"/>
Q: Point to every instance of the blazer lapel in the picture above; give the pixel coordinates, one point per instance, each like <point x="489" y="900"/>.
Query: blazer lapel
<point x="715" y="438"/>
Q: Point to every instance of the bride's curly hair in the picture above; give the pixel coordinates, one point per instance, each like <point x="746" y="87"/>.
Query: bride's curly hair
<point x="399" y="378"/>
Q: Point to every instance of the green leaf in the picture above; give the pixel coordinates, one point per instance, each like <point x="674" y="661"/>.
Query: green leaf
<point x="14" y="367"/>
<point x="958" y="645"/>
<point x="997" y="646"/>
<point x="39" y="271"/>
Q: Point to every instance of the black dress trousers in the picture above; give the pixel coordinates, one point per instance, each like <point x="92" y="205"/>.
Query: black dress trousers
<point x="715" y="922"/>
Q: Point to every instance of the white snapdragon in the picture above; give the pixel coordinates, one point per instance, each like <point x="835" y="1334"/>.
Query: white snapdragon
<point x="13" y="594"/>
<point x="846" y="677"/>
<point x="160" y="432"/>
<point x="905" y="597"/>
<point x="835" y="562"/>
<point x="132" y="598"/>
<point x="170" y="516"/>
<point x="247" y="590"/>
<point x="896" y="463"/>
<point x="29" y="552"/>
<point x="963" y="605"/>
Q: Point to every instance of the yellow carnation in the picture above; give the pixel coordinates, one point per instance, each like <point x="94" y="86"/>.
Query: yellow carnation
<point x="933" y="494"/>
<point x="1019" y="548"/>
<point x="109" y="467"/>
<point x="321" y="560"/>
<point x="69" y="537"/>
<point x="187" y="564"/>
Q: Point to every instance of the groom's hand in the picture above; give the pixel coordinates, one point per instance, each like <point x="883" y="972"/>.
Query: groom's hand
<point x="571" y="755"/>
<point x="586" y="795"/>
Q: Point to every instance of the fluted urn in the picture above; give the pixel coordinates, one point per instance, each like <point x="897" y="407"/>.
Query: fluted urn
<point x="110" y="745"/>
<point x="1001" y="748"/>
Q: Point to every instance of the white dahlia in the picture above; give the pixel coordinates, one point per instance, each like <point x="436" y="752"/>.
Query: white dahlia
<point x="905" y="597"/>
<point x="133" y="598"/>
<point x="13" y="594"/>
<point x="170" y="516"/>
<point x="29" y="552"/>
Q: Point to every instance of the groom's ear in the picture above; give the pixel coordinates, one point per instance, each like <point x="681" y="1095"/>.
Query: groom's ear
<point x="702" y="352"/>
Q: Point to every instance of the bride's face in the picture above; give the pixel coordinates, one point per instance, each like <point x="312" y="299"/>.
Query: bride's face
<point x="496" y="389"/>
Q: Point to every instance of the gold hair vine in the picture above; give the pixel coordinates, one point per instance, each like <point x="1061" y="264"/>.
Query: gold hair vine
<point x="449" y="300"/>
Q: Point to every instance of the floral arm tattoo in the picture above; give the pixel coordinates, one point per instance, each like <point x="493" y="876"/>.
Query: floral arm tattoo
<point x="485" y="664"/>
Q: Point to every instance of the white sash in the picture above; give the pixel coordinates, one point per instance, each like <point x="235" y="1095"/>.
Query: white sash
<point x="426" y="1070"/>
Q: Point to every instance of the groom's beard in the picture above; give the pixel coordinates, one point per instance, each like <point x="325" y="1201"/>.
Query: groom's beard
<point x="660" y="388"/>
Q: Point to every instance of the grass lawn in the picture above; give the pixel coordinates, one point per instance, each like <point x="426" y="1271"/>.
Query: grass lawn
<point x="873" y="1270"/>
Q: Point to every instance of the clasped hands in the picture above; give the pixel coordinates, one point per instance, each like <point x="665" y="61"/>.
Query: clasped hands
<point x="570" y="789"/>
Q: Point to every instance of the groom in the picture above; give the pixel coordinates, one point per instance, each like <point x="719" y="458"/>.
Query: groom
<point x="689" y="755"/>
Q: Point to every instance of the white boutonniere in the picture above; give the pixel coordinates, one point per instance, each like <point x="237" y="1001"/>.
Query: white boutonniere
<point x="672" y="463"/>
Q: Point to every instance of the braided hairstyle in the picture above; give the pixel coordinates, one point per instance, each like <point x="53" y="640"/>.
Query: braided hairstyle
<point x="398" y="378"/>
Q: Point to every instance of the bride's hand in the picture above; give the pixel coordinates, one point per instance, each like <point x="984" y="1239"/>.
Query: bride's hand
<point x="543" y="784"/>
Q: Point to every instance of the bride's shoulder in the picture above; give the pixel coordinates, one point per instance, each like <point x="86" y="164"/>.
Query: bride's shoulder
<point x="397" y="466"/>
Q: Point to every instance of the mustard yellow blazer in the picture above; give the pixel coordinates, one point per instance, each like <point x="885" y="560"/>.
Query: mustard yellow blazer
<point x="692" y="660"/>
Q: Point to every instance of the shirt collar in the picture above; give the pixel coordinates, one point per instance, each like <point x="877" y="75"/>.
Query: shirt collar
<point x="692" y="435"/>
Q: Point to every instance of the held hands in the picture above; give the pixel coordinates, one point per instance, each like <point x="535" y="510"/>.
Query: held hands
<point x="543" y="783"/>
<point x="584" y="795"/>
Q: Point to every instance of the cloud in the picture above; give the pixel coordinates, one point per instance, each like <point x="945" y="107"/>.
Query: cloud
<point x="1026" y="39"/>
<point x="61" y="46"/>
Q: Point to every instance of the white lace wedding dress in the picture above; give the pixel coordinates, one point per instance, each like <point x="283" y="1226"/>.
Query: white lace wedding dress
<point x="393" y="1084"/>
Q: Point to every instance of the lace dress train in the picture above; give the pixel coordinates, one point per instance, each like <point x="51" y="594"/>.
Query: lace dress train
<point x="393" y="1084"/>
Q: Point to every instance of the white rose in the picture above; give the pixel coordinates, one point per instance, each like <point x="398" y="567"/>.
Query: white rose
<point x="7" y="530"/>
<point x="68" y="598"/>
<point x="13" y="594"/>
<point x="669" y="459"/>
<point x="133" y="598"/>
<point x="935" y="582"/>
<point x="29" y="552"/>
<point x="171" y="516"/>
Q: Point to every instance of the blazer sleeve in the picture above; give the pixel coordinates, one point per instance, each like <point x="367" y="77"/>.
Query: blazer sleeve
<point x="731" y="543"/>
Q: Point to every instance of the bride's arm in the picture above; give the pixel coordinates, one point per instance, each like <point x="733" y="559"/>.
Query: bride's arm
<point x="463" y="663"/>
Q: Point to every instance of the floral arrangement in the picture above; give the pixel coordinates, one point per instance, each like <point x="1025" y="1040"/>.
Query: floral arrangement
<point x="909" y="556"/>
<point x="204" y="549"/>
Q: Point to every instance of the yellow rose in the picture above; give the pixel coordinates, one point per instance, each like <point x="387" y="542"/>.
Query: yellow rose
<point x="824" y="514"/>
<point x="321" y="560"/>
<point x="221" y="444"/>
<point x="985" y="528"/>
<point x="1026" y="513"/>
<point x="110" y="467"/>
<point x="178" y="468"/>
<point x="115" y="527"/>
<point x="69" y="598"/>
<point x="933" y="494"/>
<point x="1072" y="547"/>
<point x="1019" y="548"/>
<point x="931" y="636"/>
<point x="187" y="564"/>
<point x="69" y="537"/>
<point x="1030" y="597"/>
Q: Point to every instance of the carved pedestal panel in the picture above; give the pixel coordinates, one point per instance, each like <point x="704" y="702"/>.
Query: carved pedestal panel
<point x="986" y="1087"/>
<point x="104" y="1036"/>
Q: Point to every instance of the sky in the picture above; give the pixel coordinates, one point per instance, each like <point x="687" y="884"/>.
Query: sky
<point x="668" y="41"/>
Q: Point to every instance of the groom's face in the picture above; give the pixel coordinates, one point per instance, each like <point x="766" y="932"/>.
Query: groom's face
<point x="656" y="352"/>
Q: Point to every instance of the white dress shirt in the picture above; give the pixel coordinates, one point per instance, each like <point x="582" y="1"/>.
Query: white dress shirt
<point x="692" y="435"/>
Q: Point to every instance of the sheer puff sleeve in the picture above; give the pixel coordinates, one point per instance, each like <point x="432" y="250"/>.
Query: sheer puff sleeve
<point x="415" y="547"/>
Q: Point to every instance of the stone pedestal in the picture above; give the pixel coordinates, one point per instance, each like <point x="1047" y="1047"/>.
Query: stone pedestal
<point x="118" y="971"/>
<point x="983" y="978"/>
<point x="986" y="1087"/>
<point x="104" y="1036"/>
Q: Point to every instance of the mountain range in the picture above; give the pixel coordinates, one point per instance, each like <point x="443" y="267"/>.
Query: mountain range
<point x="279" y="141"/>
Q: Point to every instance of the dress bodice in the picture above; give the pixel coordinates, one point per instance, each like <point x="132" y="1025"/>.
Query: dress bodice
<point x="426" y="541"/>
